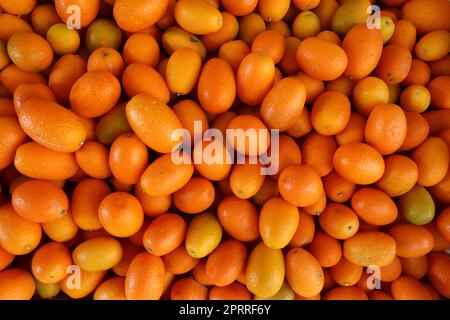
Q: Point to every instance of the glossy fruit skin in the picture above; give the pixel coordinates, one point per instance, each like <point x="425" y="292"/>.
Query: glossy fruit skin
<point x="440" y="242"/>
<point x="40" y="201"/>
<point x="305" y="25"/>
<point x="106" y="59"/>
<point x="300" y="177"/>
<point x="62" y="229"/>
<point x="112" y="124"/>
<point x="92" y="158"/>
<point x="240" y="9"/>
<point x="153" y="206"/>
<point x="271" y="11"/>
<point x="330" y="113"/>
<point x="179" y="261"/>
<point x="417" y="206"/>
<point x="182" y="70"/>
<point x="386" y="122"/>
<point x="12" y="25"/>
<point x="392" y="271"/>
<point x="135" y="51"/>
<point x="154" y="125"/>
<point x="407" y="288"/>
<point x="416" y="132"/>
<point x="111" y="289"/>
<point x="394" y="64"/>
<point x="176" y="37"/>
<point x="314" y="87"/>
<point x="232" y="251"/>
<point x="346" y="293"/>
<point x="270" y="43"/>
<point x="357" y="165"/>
<point x="88" y="282"/>
<point x="51" y="125"/>
<point x="130" y="250"/>
<point x="313" y="51"/>
<point x="245" y="129"/>
<point x="228" y="32"/>
<point x="6" y="258"/>
<point x="196" y="196"/>
<point x="26" y="91"/>
<point x="288" y="153"/>
<point x="399" y="177"/>
<point x="346" y="273"/>
<point x="66" y="71"/>
<point x="250" y="26"/>
<point x="138" y="15"/>
<point x="368" y="93"/>
<point x="163" y="177"/>
<point x="97" y="254"/>
<point x="304" y="273"/>
<point x="216" y="86"/>
<point x="265" y="271"/>
<point x="283" y="104"/>
<point x="18" y="235"/>
<point x="277" y="230"/>
<point x="337" y="188"/>
<point x="339" y="221"/>
<point x="412" y="241"/>
<point x="254" y="66"/>
<point x="419" y="74"/>
<point x="317" y="207"/>
<point x="326" y="249"/>
<point x="348" y="161"/>
<point x="164" y="234"/>
<point x="18" y="8"/>
<point x="189" y="111"/>
<point x="128" y="151"/>
<point x="88" y="10"/>
<point x="55" y="37"/>
<point x="232" y="209"/>
<point x="212" y="170"/>
<point x="86" y="198"/>
<point x="47" y="291"/>
<point x="145" y="278"/>
<point x="349" y="14"/>
<point x="107" y="91"/>
<point x="363" y="47"/>
<point x="438" y="264"/>
<point x="103" y="33"/>
<point x="120" y="214"/>
<point x="369" y="248"/>
<point x="433" y="46"/>
<point x="432" y="166"/>
<point x="29" y="51"/>
<point x="438" y="88"/>
<point x="427" y="16"/>
<point x="188" y="289"/>
<point x="415" y="267"/>
<point x="374" y="206"/>
<point x="234" y="291"/>
<point x="198" y="17"/>
<point x="136" y="75"/>
<point x="13" y="137"/>
<point x="50" y="262"/>
<point x="16" y="284"/>
<point x="443" y="223"/>
<point x="246" y="180"/>
<point x="203" y="235"/>
<point x="404" y="34"/>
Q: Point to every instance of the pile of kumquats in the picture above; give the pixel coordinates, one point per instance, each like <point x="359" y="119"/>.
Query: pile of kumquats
<point x="224" y="149"/>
